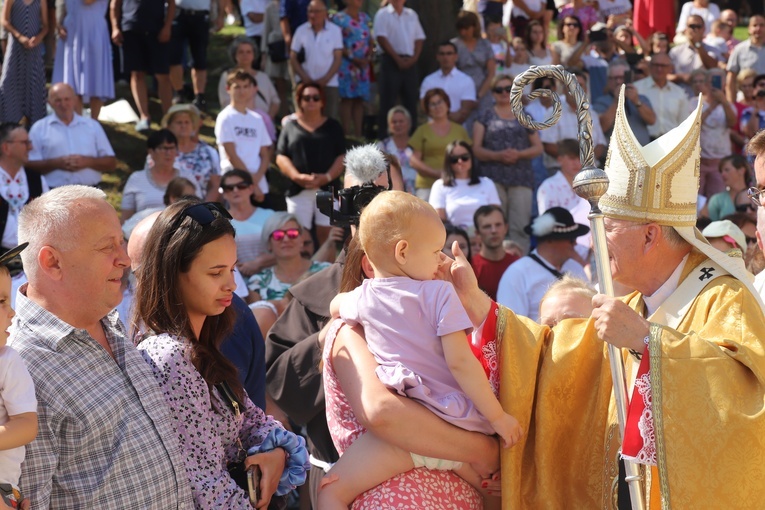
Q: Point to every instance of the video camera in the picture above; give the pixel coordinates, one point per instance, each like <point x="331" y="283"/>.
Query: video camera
<point x="350" y="202"/>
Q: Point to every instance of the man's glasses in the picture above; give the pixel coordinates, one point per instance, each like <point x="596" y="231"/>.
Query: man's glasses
<point x="695" y="27"/>
<point x="462" y="157"/>
<point x="499" y="90"/>
<point x="203" y="214"/>
<point x="755" y="195"/>
<point x="311" y="97"/>
<point x="290" y="233"/>
<point x="166" y="148"/>
<point x="237" y="185"/>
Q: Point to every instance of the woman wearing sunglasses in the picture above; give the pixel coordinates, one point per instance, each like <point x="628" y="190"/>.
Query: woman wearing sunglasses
<point x="460" y="191"/>
<point x="283" y="237"/>
<point x="570" y="39"/>
<point x="505" y="150"/>
<point x="237" y="189"/>
<point x="310" y="153"/>
<point x="183" y="298"/>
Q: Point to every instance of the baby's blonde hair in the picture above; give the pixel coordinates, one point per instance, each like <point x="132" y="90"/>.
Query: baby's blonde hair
<point x="387" y="220"/>
<point x="569" y="284"/>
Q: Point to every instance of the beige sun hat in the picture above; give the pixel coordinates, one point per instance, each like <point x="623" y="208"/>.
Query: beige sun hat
<point x="192" y="110"/>
<point x="659" y="183"/>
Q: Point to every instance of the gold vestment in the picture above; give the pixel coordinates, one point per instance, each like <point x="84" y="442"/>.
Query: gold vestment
<point x="708" y="388"/>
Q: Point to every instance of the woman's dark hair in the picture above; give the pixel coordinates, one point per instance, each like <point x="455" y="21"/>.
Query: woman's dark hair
<point x="469" y="19"/>
<point x="175" y="189"/>
<point x="738" y="161"/>
<point x="579" y="36"/>
<point x="453" y="230"/>
<point x="157" y="138"/>
<point x="169" y="251"/>
<point x="527" y="36"/>
<point x="353" y="273"/>
<point x="236" y="172"/>
<point x="430" y="94"/>
<point x="306" y="85"/>
<point x="447" y="175"/>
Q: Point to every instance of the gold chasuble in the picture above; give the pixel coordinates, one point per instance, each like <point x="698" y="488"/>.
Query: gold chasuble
<point x="708" y="387"/>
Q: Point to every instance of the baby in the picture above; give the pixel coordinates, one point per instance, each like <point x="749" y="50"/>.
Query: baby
<point x="416" y="327"/>
<point x="18" y="404"/>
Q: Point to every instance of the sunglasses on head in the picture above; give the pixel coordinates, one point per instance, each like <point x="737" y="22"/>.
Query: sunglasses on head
<point x="311" y="97"/>
<point x="462" y="157"/>
<point x="291" y="233"/>
<point x="499" y="90"/>
<point x="203" y="214"/>
<point x="241" y="185"/>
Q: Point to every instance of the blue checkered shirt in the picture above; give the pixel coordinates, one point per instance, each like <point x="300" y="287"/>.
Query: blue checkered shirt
<point x="105" y="437"/>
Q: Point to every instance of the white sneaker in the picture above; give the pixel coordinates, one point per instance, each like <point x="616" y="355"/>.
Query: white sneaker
<point x="142" y="125"/>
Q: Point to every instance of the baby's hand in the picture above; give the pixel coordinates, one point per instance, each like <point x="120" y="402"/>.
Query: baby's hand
<point x="508" y="429"/>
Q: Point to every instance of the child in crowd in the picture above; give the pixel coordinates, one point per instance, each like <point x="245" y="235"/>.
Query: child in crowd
<point x="415" y="326"/>
<point x="18" y="404"/>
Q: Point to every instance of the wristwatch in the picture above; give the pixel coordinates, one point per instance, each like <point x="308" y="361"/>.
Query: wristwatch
<point x="698" y="45"/>
<point x="638" y="104"/>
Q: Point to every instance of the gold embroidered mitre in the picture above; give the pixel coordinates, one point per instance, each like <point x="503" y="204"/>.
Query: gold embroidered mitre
<point x="656" y="183"/>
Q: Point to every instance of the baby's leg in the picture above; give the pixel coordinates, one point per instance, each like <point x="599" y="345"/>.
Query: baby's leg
<point x="368" y="462"/>
<point x="467" y="473"/>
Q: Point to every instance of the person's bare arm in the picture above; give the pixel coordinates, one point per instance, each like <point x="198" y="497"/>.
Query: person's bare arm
<point x="461" y="115"/>
<point x="265" y="161"/>
<point x="388" y="49"/>
<point x="575" y="60"/>
<point x="255" y="17"/>
<point x="708" y="60"/>
<point x="491" y="69"/>
<point x="337" y="59"/>
<point x="45" y="166"/>
<point x="397" y="420"/>
<point x="423" y="169"/>
<point x="297" y="67"/>
<point x="731" y="86"/>
<point x="19" y="430"/>
<point x="115" y="15"/>
<point x="230" y="150"/>
<point x="103" y="164"/>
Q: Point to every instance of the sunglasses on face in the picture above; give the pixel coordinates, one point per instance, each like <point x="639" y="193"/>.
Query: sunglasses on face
<point x="695" y="27"/>
<point x="746" y="207"/>
<point x="290" y="233"/>
<point x="237" y="185"/>
<point x="203" y="214"/>
<point x="499" y="90"/>
<point x="575" y="25"/>
<point x="462" y="157"/>
<point x="311" y="97"/>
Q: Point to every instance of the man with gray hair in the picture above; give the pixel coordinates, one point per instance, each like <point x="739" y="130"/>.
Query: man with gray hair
<point x="104" y="430"/>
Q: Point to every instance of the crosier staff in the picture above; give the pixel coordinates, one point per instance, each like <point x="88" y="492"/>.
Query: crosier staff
<point x="591" y="183"/>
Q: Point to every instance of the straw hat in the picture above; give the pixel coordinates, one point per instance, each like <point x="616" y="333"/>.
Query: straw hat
<point x="192" y="110"/>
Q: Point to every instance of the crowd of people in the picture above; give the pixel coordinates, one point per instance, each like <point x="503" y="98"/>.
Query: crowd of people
<point x="224" y="342"/>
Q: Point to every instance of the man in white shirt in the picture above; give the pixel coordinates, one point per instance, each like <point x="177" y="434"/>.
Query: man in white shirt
<point x="668" y="100"/>
<point x="399" y="39"/>
<point x="526" y="280"/>
<point x="241" y="134"/>
<point x="458" y="86"/>
<point x="558" y="191"/>
<point x="568" y="127"/>
<point x="68" y="148"/>
<point x="693" y="54"/>
<point x="321" y="41"/>
<point x="253" y="15"/>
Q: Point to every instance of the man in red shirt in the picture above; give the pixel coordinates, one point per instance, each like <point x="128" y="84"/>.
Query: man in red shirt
<point x="490" y="263"/>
